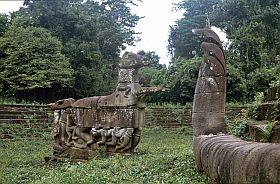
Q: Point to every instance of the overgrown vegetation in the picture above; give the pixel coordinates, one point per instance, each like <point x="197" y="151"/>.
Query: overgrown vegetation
<point x="252" y="51"/>
<point x="83" y="39"/>
<point x="87" y="37"/>
<point x="237" y="128"/>
<point x="12" y="101"/>
<point x="269" y="130"/>
<point x="237" y="124"/>
<point x="253" y="108"/>
<point x="163" y="156"/>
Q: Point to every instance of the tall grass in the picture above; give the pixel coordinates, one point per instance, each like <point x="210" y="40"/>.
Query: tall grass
<point x="163" y="156"/>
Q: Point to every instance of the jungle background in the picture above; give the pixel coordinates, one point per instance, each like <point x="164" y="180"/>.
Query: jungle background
<point x="71" y="48"/>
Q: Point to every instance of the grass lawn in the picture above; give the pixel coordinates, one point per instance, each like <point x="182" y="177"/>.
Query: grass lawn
<point x="162" y="156"/>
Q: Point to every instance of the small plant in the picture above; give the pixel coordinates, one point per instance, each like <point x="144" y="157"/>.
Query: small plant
<point x="169" y="105"/>
<point x="29" y="118"/>
<point x="269" y="130"/>
<point x="275" y="83"/>
<point x="253" y="108"/>
<point x="237" y="127"/>
<point x="13" y="101"/>
<point x="236" y="104"/>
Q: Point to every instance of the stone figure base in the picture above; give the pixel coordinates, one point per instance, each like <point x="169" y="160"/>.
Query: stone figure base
<point x="72" y="141"/>
<point x="85" y="153"/>
<point x="111" y="123"/>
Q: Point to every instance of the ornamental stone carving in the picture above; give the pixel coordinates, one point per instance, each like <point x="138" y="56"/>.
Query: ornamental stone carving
<point x="110" y="123"/>
<point x="210" y="92"/>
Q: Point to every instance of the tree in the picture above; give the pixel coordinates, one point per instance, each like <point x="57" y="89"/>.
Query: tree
<point x="182" y="42"/>
<point x="33" y="61"/>
<point x="3" y="23"/>
<point x="179" y="79"/>
<point x="152" y="57"/>
<point x="182" y="76"/>
<point x="149" y="73"/>
<point x="93" y="33"/>
<point x="252" y="27"/>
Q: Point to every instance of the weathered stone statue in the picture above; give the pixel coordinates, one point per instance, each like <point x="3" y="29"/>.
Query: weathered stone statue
<point x="111" y="123"/>
<point x="210" y="92"/>
<point x="225" y="158"/>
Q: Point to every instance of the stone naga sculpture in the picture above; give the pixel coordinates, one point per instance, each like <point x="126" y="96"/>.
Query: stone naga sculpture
<point x="210" y="92"/>
<point x="225" y="158"/>
<point x="112" y="123"/>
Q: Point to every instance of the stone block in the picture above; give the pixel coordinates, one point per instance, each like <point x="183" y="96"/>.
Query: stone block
<point x="208" y="123"/>
<point x="211" y="67"/>
<point x="255" y="130"/>
<point x="210" y="84"/>
<point x="209" y="102"/>
<point x="275" y="135"/>
<point x="269" y="111"/>
<point x="272" y="94"/>
<point x="227" y="159"/>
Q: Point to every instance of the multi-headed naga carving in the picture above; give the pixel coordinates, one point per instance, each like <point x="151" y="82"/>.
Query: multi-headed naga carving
<point x="210" y="92"/>
<point x="225" y="158"/>
<point x="112" y="123"/>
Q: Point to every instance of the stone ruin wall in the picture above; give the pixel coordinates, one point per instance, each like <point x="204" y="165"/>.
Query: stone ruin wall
<point x="224" y="158"/>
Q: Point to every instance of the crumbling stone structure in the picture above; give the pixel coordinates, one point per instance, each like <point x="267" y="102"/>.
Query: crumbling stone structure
<point x="266" y="112"/>
<point x="224" y="158"/>
<point x="110" y="123"/>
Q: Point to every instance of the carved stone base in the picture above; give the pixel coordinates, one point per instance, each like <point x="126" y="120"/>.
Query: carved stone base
<point x="91" y="142"/>
<point x="76" y="153"/>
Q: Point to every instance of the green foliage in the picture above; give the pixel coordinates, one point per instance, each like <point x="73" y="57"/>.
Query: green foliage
<point x="182" y="42"/>
<point x="152" y="57"/>
<point x="29" y="130"/>
<point x="91" y="34"/>
<point x="33" y="60"/>
<point x="169" y="105"/>
<point x="237" y="128"/>
<point x="11" y="101"/>
<point x="252" y="28"/>
<point x="151" y="75"/>
<point x="253" y="108"/>
<point x="236" y="125"/>
<point x="269" y="130"/>
<point x="236" y="88"/>
<point x="3" y="24"/>
<point x="168" y="160"/>
<point x="276" y="81"/>
<point x="181" y="79"/>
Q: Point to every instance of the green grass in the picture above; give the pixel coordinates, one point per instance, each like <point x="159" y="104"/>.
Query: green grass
<point x="163" y="156"/>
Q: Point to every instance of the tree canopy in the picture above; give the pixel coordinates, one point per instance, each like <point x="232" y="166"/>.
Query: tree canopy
<point x="91" y="35"/>
<point x="252" y="28"/>
<point x="32" y="60"/>
<point x="72" y="48"/>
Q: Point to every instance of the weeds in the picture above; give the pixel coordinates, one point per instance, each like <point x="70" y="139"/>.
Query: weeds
<point x="163" y="156"/>
<point x="237" y="128"/>
<point x="267" y="132"/>
<point x="12" y="101"/>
